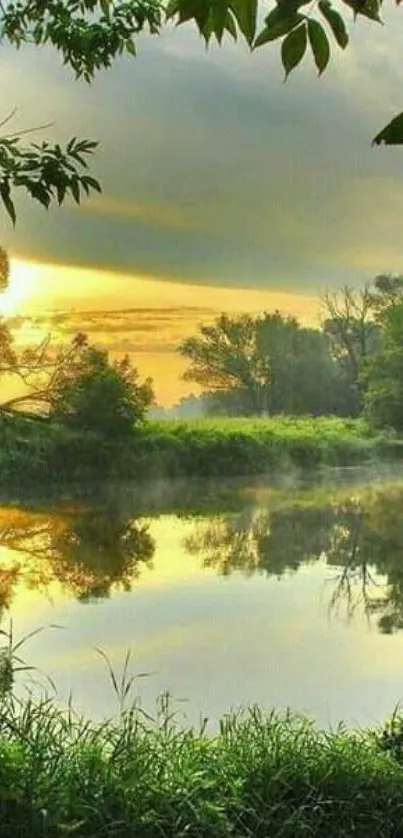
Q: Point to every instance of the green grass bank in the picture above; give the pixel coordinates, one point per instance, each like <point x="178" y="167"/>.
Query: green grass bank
<point x="37" y="452"/>
<point x="243" y="446"/>
<point x="260" y="776"/>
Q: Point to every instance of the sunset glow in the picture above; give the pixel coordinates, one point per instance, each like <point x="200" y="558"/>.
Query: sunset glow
<point x="49" y="287"/>
<point x="21" y="288"/>
<point x="152" y="316"/>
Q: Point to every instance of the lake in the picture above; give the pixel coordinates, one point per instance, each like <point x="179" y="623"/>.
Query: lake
<point x="281" y="594"/>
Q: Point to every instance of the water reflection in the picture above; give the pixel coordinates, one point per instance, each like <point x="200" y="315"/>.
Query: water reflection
<point x="89" y="552"/>
<point x="93" y="550"/>
<point x="360" y="537"/>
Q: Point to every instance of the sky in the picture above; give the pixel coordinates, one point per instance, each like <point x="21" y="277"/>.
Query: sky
<point x="223" y="187"/>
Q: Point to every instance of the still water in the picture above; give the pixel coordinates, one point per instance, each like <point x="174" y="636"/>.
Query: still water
<point x="227" y="594"/>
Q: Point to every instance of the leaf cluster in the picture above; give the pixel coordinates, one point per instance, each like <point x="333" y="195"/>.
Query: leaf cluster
<point x="89" y="34"/>
<point x="44" y="171"/>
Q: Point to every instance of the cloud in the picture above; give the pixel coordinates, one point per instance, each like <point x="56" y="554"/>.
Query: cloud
<point x="215" y="172"/>
<point x="151" y="215"/>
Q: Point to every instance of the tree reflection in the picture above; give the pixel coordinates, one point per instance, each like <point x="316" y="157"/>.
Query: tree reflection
<point x="88" y="552"/>
<point x="360" y="538"/>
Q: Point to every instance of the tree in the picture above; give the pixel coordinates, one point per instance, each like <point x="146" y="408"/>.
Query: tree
<point x="32" y="369"/>
<point x="225" y="356"/>
<point x="353" y="335"/>
<point x="90" y="34"/>
<point x="76" y="385"/>
<point x="384" y="373"/>
<point x="266" y="364"/>
<point x="387" y="291"/>
<point x="301" y="376"/>
<point x="92" y="394"/>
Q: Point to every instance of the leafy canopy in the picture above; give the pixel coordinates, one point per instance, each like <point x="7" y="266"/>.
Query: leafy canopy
<point x="265" y="364"/>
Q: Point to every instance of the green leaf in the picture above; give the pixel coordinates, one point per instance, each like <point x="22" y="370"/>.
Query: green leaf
<point x="335" y="22"/>
<point x="392" y="134"/>
<point x="230" y="25"/>
<point x="75" y="190"/>
<point x="5" y="197"/>
<point x="288" y="7"/>
<point x="131" y="46"/>
<point x="367" y="8"/>
<point x="197" y="10"/>
<point x="293" y="48"/>
<point x="218" y="15"/>
<point x="276" y="29"/>
<point x="172" y="8"/>
<point x="245" y="13"/>
<point x="61" y="192"/>
<point x="92" y="183"/>
<point x="319" y="44"/>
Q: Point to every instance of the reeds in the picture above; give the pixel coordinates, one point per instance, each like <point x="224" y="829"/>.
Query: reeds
<point x="260" y="776"/>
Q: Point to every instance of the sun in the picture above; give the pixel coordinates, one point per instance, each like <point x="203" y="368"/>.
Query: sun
<point x="20" y="290"/>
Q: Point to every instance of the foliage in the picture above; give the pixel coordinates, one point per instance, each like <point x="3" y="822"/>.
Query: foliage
<point x="235" y="447"/>
<point x="353" y="334"/>
<point x="384" y="400"/>
<point x="45" y="172"/>
<point x="269" y="364"/>
<point x="89" y="35"/>
<point x="76" y="386"/>
<point x="93" y="394"/>
<point x="266" y="365"/>
<point x="260" y="774"/>
<point x="47" y="454"/>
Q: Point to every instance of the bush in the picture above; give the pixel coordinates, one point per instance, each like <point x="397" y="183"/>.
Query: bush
<point x="92" y="394"/>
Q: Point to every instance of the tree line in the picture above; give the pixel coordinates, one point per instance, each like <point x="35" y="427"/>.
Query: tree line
<point x="270" y="364"/>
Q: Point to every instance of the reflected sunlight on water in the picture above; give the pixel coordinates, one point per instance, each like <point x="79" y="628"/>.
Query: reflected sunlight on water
<point x="285" y="598"/>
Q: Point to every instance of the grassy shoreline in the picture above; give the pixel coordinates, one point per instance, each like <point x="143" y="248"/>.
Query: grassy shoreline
<point x="42" y="453"/>
<point x="261" y="775"/>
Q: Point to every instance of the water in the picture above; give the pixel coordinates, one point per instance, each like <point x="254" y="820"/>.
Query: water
<point x="227" y="594"/>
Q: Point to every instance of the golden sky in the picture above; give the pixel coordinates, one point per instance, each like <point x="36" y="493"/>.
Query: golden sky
<point x="143" y="316"/>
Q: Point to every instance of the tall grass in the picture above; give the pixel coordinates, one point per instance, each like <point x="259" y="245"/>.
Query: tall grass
<point x="260" y="776"/>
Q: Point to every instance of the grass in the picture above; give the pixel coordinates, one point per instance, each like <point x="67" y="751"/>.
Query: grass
<point x="40" y="454"/>
<point x="259" y="776"/>
<point x="235" y="447"/>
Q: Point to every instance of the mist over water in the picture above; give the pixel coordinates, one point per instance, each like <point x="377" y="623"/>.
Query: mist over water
<point x="281" y="593"/>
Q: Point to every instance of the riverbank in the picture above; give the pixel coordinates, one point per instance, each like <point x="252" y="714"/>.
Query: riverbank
<point x="261" y="775"/>
<point x="41" y="453"/>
